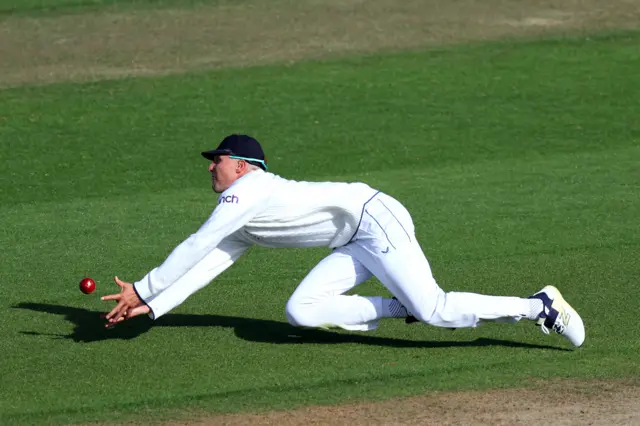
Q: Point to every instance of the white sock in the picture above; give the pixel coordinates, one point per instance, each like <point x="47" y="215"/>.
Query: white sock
<point x="392" y="308"/>
<point x="535" y="309"/>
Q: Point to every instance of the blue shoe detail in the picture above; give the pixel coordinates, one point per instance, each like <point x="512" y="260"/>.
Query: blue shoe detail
<point x="558" y="316"/>
<point x="549" y="314"/>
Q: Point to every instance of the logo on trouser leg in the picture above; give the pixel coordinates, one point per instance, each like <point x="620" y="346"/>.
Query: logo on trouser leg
<point x="386" y="251"/>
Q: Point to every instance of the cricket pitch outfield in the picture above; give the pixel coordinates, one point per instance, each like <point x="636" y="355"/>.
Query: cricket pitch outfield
<point x="520" y="132"/>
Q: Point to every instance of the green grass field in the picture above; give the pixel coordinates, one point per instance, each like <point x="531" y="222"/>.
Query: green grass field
<point x="520" y="162"/>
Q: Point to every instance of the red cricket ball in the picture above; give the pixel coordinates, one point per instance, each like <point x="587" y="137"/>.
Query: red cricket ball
<point x="87" y="285"/>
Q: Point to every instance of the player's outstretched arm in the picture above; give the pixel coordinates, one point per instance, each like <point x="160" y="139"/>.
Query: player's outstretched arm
<point x="216" y="262"/>
<point x="226" y="219"/>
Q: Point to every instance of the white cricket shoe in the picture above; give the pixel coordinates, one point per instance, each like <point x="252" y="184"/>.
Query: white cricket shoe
<point x="559" y="316"/>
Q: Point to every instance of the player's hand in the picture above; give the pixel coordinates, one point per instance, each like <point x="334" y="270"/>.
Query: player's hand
<point x="128" y="304"/>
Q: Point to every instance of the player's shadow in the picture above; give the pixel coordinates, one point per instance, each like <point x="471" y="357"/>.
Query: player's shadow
<point x="89" y="327"/>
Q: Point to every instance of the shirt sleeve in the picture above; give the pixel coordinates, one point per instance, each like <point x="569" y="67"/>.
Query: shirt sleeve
<point x="201" y="274"/>
<point x="235" y="209"/>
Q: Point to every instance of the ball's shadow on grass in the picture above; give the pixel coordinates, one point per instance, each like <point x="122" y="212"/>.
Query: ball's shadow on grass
<point x="89" y="327"/>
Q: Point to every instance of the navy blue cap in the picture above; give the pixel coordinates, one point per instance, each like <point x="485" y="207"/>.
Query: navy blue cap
<point x="242" y="147"/>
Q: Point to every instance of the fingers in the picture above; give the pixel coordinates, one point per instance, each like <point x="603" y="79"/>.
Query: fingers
<point x="112" y="297"/>
<point x="117" y="312"/>
<point x="118" y="281"/>
<point x="113" y="324"/>
<point x="118" y="296"/>
<point x="140" y="310"/>
<point x="128" y="304"/>
<point x="119" y="316"/>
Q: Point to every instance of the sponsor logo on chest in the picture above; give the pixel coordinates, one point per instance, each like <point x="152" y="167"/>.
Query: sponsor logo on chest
<point x="228" y="199"/>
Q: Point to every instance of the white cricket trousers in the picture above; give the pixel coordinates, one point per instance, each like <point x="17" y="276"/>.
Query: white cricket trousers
<point x="385" y="246"/>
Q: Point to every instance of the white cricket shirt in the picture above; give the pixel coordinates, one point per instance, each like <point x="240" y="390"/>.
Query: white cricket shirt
<point x="261" y="209"/>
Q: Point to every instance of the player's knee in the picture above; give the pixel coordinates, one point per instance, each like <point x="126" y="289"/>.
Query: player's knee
<point x="300" y="315"/>
<point x="422" y="316"/>
<point x="436" y="312"/>
<point x="423" y="312"/>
